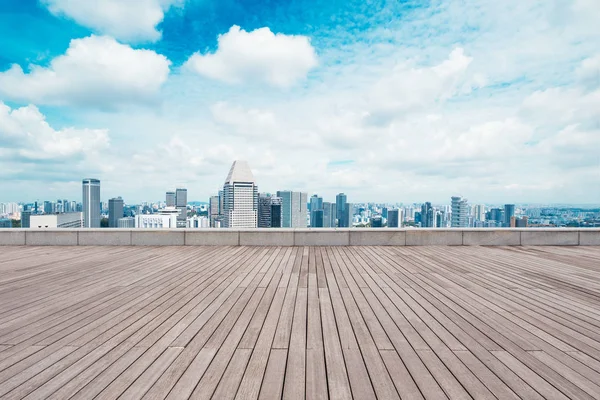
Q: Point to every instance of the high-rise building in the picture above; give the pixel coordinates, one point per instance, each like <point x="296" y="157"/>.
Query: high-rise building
<point x="213" y="211"/>
<point x="240" y="197"/>
<point x="48" y="207"/>
<point x="329" y="215"/>
<point x="460" y="213"/>
<point x="376" y="221"/>
<point x="294" y="209"/>
<point x="316" y="206"/>
<point x="181" y="205"/>
<point x="115" y="212"/>
<point x="91" y="203"/>
<point x="170" y="199"/>
<point x="480" y="212"/>
<point x="427" y="216"/>
<point x="340" y="203"/>
<point x="269" y="211"/>
<point x="25" y="219"/>
<point x="393" y="218"/>
<point x="509" y="212"/>
<point x="347" y="215"/>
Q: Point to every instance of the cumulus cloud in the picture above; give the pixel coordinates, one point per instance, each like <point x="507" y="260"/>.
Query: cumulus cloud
<point x="26" y="136"/>
<point x="132" y="21"/>
<point x="95" y="71"/>
<point x="241" y="57"/>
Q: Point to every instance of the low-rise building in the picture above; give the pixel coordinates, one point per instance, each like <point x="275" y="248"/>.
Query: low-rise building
<point x="61" y="220"/>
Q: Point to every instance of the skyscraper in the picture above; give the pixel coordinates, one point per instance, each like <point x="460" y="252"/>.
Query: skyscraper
<point x="240" y="197"/>
<point x="91" y="203"/>
<point x="509" y="212"/>
<point x="181" y="205"/>
<point x="293" y="206"/>
<point x="376" y="221"/>
<point x="427" y="216"/>
<point x="25" y="219"/>
<point x="269" y="211"/>
<point x="340" y="203"/>
<point x="329" y="215"/>
<point x="316" y="205"/>
<point x="213" y="210"/>
<point x="393" y="218"/>
<point x="115" y="212"/>
<point x="170" y="199"/>
<point x="347" y="214"/>
<point x="460" y="213"/>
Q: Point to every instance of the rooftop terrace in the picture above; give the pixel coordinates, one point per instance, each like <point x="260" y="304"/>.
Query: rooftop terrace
<point x="343" y="322"/>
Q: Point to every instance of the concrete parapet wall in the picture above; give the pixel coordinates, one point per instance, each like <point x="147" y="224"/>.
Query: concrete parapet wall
<point x="157" y="237"/>
<point x="549" y="238"/>
<point x="302" y="237"/>
<point x="434" y="237"/>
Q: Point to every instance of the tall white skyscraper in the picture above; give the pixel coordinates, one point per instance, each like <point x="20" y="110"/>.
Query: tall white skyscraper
<point x="91" y="203"/>
<point x="240" y="197"/>
<point x="460" y="213"/>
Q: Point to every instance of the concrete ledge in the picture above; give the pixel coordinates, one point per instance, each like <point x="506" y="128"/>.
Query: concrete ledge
<point x="433" y="237"/>
<point x="267" y="237"/>
<point x="557" y="237"/>
<point x="105" y="237"/>
<point x="157" y="237"/>
<point x="321" y="237"/>
<point x="212" y="237"/>
<point x="11" y="237"/>
<point x="377" y="237"/>
<point x="589" y="238"/>
<point x="51" y="237"/>
<point x="302" y="237"/>
<point x="496" y="237"/>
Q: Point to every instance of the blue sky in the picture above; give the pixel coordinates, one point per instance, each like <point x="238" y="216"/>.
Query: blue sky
<point x="384" y="100"/>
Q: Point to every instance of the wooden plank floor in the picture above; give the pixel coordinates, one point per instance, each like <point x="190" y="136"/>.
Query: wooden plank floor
<point x="300" y="322"/>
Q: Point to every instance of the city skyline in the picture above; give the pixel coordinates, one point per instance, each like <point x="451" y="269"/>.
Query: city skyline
<point x="391" y="101"/>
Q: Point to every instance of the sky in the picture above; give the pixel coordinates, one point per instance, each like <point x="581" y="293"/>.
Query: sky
<point x="387" y="101"/>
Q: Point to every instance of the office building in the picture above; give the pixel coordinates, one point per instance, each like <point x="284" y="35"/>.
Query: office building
<point x="170" y="199"/>
<point x="509" y="212"/>
<point x="126" y="222"/>
<point x="115" y="211"/>
<point x="213" y="211"/>
<point x="5" y="223"/>
<point x="393" y="218"/>
<point x="329" y="215"/>
<point x="340" y="203"/>
<point x="269" y="211"/>
<point x="460" y="213"/>
<point x="377" y="221"/>
<point x="347" y="215"/>
<point x="480" y="212"/>
<point x="62" y="220"/>
<point x="25" y="219"/>
<point x="240" y="197"/>
<point x="428" y="214"/>
<point x="181" y="205"/>
<point x="294" y="208"/>
<point x="91" y="203"/>
<point x="165" y="218"/>
<point x="316" y="206"/>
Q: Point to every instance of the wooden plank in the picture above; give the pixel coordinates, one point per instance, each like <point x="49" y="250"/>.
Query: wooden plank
<point x="272" y="385"/>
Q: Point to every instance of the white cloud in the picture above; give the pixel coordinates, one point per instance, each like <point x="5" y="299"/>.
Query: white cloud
<point x="26" y="136"/>
<point x="95" y="71"/>
<point x="276" y="59"/>
<point x="251" y="122"/>
<point x="127" y="20"/>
